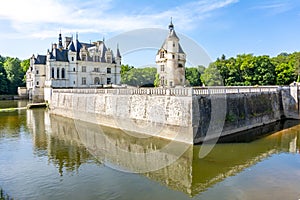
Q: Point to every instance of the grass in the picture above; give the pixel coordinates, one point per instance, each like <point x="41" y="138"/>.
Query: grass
<point x="11" y="109"/>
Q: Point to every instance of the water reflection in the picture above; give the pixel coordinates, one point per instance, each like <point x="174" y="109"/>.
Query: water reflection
<point x="69" y="144"/>
<point x="52" y="138"/>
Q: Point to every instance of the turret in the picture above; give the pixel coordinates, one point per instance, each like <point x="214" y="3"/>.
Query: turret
<point x="170" y="59"/>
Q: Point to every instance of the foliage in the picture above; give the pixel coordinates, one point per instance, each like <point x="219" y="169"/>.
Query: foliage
<point x="138" y="76"/>
<point x="212" y="76"/>
<point x="12" y="74"/>
<point x="247" y="69"/>
<point x="193" y="75"/>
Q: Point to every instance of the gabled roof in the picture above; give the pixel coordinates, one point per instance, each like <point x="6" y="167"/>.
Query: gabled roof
<point x="71" y="46"/>
<point x="40" y="59"/>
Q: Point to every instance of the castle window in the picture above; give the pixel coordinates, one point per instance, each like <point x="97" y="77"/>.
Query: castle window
<point x="162" y="54"/>
<point x="97" y="81"/>
<point x="83" y="57"/>
<point x="180" y="65"/>
<point x="37" y="83"/>
<point x="52" y="72"/>
<point x="171" y="83"/>
<point x="73" y="69"/>
<point x="96" y="69"/>
<point x="108" y="70"/>
<point x="63" y="73"/>
<point x="72" y="58"/>
<point x="83" y="68"/>
<point x="173" y="56"/>
<point x="57" y="71"/>
<point x="162" y="68"/>
<point x="37" y="71"/>
<point x="74" y="82"/>
<point x="108" y="80"/>
<point x="173" y="44"/>
<point x="83" y="81"/>
<point x="162" y="81"/>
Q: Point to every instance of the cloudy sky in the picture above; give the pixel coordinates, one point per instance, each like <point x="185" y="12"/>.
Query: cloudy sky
<point x="227" y="27"/>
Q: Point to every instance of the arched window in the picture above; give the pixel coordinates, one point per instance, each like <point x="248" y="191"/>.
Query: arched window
<point x="52" y="72"/>
<point x="97" y="81"/>
<point x="63" y="75"/>
<point x="57" y="71"/>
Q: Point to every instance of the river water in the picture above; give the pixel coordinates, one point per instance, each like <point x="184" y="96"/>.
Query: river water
<point x="44" y="156"/>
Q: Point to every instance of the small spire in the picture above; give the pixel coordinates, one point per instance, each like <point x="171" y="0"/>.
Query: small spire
<point x="60" y="46"/>
<point x="171" y="26"/>
<point x="103" y="39"/>
<point x="118" y="51"/>
<point x="76" y="35"/>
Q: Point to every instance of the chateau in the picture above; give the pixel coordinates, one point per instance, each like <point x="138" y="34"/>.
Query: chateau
<point x="76" y="64"/>
<point x="73" y="64"/>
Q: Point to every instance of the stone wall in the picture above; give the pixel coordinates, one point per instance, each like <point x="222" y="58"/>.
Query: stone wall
<point x="183" y="114"/>
<point x="157" y="115"/>
<point x="220" y="115"/>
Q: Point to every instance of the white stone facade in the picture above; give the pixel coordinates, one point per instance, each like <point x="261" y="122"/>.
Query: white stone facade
<point x="74" y="65"/>
<point x="171" y="59"/>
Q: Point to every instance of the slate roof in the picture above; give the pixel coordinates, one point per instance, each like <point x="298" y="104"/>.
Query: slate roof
<point x="71" y="46"/>
<point x="118" y="53"/>
<point x="40" y="59"/>
<point x="180" y="50"/>
<point x="59" y="55"/>
<point x="173" y="34"/>
<point x="103" y="50"/>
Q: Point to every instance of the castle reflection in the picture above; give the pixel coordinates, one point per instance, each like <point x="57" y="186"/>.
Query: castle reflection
<point x="68" y="144"/>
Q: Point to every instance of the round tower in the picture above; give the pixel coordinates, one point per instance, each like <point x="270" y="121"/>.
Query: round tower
<point x="171" y="59"/>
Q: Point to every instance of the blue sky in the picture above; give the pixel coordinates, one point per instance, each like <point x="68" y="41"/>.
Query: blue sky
<point x="227" y="27"/>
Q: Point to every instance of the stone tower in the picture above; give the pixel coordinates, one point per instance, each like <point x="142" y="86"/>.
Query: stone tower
<point x="170" y="59"/>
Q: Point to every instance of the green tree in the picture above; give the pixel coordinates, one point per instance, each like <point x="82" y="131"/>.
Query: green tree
<point x="139" y="76"/>
<point x="193" y="75"/>
<point x="285" y="74"/>
<point x="3" y="78"/>
<point x="14" y="73"/>
<point x="212" y="76"/>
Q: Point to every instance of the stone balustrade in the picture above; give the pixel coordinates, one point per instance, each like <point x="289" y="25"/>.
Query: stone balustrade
<point x="196" y="91"/>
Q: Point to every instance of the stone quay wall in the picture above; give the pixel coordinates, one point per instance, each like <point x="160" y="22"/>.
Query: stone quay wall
<point x="189" y="115"/>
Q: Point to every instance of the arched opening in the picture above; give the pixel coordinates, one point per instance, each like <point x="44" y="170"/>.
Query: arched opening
<point x="57" y="75"/>
<point x="97" y="81"/>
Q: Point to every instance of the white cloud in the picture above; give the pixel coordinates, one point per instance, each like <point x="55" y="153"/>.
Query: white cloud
<point x="42" y="19"/>
<point x="275" y="7"/>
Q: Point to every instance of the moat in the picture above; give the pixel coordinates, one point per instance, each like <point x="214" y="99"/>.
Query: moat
<point x="45" y="156"/>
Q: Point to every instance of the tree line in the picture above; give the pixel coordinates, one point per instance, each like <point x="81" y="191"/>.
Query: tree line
<point x="12" y="74"/>
<point x="247" y="70"/>
<point x="242" y="70"/>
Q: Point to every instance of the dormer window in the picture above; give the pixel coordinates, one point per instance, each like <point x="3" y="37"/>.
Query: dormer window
<point x="162" y="54"/>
